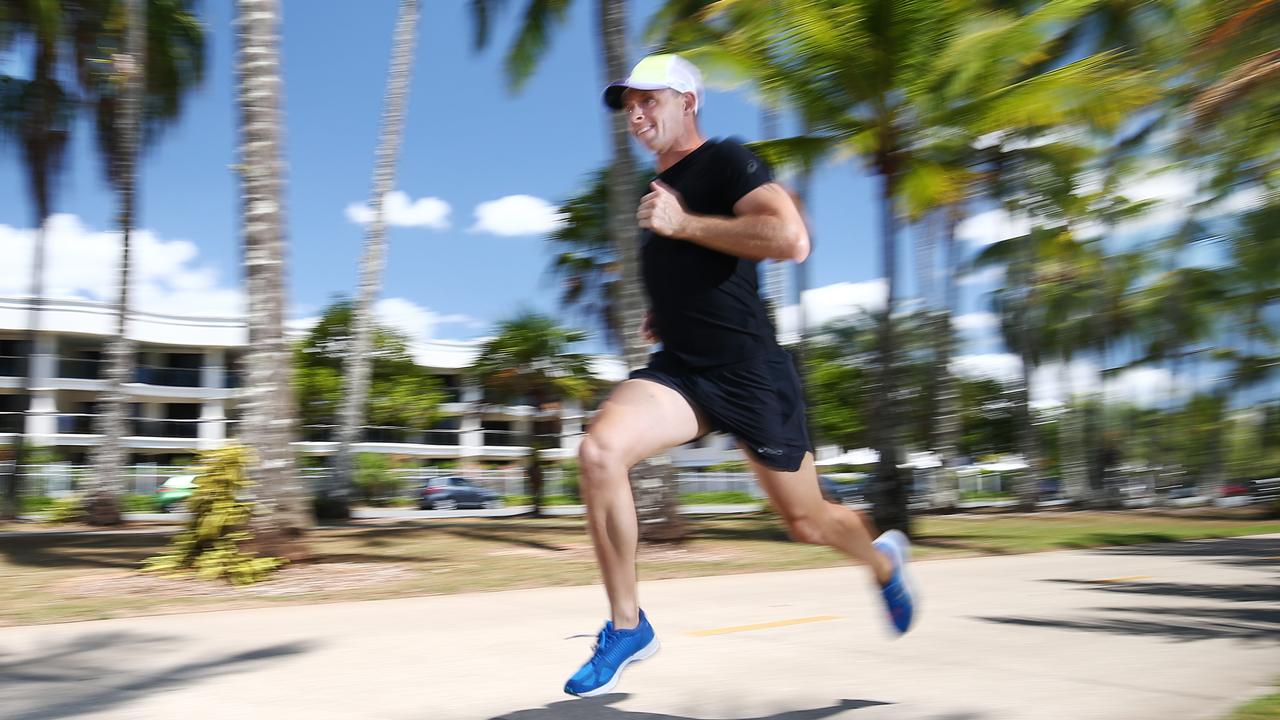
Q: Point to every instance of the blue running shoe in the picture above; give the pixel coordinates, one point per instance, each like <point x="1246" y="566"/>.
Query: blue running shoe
<point x="897" y="592"/>
<point x="614" y="651"/>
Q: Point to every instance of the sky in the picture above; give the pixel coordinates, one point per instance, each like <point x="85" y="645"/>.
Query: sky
<point x="480" y="173"/>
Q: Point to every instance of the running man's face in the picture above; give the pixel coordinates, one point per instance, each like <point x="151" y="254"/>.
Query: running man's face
<point x="655" y="117"/>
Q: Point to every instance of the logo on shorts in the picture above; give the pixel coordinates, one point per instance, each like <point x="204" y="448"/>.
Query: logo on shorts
<point x="768" y="451"/>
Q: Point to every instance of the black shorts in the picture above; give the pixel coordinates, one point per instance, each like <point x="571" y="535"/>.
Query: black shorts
<point x="759" y="401"/>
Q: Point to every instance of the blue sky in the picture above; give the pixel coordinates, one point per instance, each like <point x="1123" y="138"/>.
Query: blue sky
<point x="468" y="141"/>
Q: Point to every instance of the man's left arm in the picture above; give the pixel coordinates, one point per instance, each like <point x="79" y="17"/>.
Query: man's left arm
<point x="766" y="224"/>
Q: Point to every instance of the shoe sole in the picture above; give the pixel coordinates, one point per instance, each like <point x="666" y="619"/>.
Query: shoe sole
<point x="645" y="652"/>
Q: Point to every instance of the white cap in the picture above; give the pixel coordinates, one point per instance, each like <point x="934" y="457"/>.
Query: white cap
<point x="658" y="72"/>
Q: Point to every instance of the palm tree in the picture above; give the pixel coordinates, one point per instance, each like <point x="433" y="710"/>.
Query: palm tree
<point x="529" y="362"/>
<point x="268" y="424"/>
<point x="96" y="34"/>
<point x="884" y="79"/>
<point x="653" y="484"/>
<point x="585" y="258"/>
<point x="540" y="19"/>
<point x="37" y="112"/>
<point x="1240" y="46"/>
<point x="103" y="504"/>
<point x="357" y="367"/>
<point x="136" y="81"/>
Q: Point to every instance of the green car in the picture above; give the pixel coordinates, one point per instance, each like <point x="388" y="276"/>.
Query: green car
<point x="173" y="493"/>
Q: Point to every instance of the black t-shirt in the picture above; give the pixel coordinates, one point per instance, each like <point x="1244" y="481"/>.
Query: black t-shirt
<point x="706" y="304"/>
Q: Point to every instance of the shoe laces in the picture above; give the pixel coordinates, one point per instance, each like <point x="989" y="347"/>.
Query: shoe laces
<point x="604" y="639"/>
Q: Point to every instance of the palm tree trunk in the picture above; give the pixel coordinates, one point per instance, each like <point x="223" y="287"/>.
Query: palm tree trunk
<point x="1025" y="484"/>
<point x="103" y="505"/>
<point x="888" y="490"/>
<point x="13" y="479"/>
<point x="357" y="365"/>
<point x="803" y="187"/>
<point x="281" y="516"/>
<point x="775" y="271"/>
<point x="41" y="148"/>
<point x="653" y="483"/>
<point x="1071" y="451"/>
<point x="947" y="429"/>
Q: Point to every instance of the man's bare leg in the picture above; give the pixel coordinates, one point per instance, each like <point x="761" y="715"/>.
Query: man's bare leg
<point x="641" y="418"/>
<point x="811" y="519"/>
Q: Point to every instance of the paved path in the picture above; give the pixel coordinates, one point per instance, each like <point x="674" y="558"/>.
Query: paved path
<point x="1142" y="633"/>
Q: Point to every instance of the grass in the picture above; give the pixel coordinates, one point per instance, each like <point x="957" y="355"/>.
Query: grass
<point x="1266" y="707"/>
<point x="58" y="578"/>
<point x="728" y="497"/>
<point x="986" y="495"/>
<point x="722" y="497"/>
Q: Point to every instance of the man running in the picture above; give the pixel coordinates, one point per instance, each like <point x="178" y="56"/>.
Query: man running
<point x="713" y="213"/>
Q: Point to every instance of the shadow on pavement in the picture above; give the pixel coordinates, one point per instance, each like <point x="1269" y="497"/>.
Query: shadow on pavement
<point x="1179" y="624"/>
<point x="1229" y="593"/>
<point x="1248" y="612"/>
<point x="83" y="675"/>
<point x="598" y="708"/>
<point x="1238" y="552"/>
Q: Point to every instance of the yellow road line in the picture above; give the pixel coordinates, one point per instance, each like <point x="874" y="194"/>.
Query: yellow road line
<point x="764" y="626"/>
<point x="1108" y="581"/>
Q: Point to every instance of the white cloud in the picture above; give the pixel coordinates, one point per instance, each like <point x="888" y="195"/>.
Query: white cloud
<point x="992" y="275"/>
<point x="1005" y="367"/>
<point x="517" y="215"/>
<point x="165" y="275"/>
<point x="832" y="302"/>
<point x="990" y="227"/>
<point x="1051" y="384"/>
<point x="1176" y="191"/>
<point x="978" y="322"/>
<point x="299" y="327"/>
<point x="1146" y="387"/>
<point x="1054" y="383"/>
<point x="400" y="211"/>
<point x="415" y="321"/>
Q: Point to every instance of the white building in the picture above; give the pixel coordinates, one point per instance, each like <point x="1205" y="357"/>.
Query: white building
<point x="186" y="392"/>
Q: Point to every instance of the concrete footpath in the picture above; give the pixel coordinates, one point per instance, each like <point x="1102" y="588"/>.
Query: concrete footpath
<point x="1182" y="630"/>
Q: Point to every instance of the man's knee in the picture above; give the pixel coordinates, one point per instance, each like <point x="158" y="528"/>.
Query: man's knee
<point x="599" y="460"/>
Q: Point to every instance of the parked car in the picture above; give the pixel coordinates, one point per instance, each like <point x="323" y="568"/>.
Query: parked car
<point x="172" y="494"/>
<point x="1238" y="488"/>
<point x="450" y="493"/>
<point x="1049" y="489"/>
<point x="841" y="492"/>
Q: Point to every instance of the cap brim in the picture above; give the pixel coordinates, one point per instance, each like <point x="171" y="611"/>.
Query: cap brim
<point x="613" y="93"/>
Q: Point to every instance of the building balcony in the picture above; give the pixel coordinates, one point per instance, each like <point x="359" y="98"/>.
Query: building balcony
<point x="81" y="368"/>
<point x="14" y="366"/>
<point x="383" y="434"/>
<point x="167" y="376"/>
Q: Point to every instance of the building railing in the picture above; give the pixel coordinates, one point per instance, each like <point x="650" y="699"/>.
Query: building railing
<point x="386" y="434"/>
<point x="167" y="376"/>
<point x="13" y="365"/>
<point x="81" y="368"/>
<point x="164" y="428"/>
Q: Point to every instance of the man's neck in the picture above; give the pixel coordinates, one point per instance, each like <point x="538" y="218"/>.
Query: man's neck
<point x="688" y="144"/>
